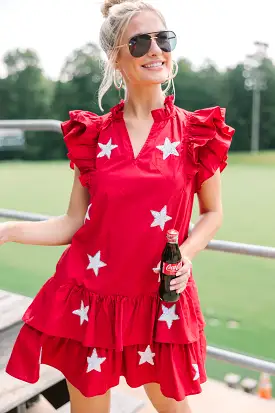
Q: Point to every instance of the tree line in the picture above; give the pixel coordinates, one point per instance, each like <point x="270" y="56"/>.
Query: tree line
<point x="27" y="93"/>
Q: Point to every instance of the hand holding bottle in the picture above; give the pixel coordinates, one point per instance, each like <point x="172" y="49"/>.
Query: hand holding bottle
<point x="174" y="269"/>
<point x="182" y="275"/>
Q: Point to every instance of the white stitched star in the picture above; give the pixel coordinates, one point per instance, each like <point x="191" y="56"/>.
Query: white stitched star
<point x="95" y="263"/>
<point x="168" y="315"/>
<point x="106" y="150"/>
<point x="146" y="356"/>
<point x="82" y="312"/>
<point x="197" y="374"/>
<point x="169" y="148"/>
<point x="87" y="216"/>
<point x="160" y="218"/>
<point x="94" y="362"/>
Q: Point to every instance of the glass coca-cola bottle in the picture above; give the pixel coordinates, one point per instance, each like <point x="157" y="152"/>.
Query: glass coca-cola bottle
<point x="171" y="262"/>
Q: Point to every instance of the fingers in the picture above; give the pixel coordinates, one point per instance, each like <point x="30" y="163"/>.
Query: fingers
<point x="179" y="283"/>
<point x="157" y="268"/>
<point x="186" y="268"/>
<point x="182" y="276"/>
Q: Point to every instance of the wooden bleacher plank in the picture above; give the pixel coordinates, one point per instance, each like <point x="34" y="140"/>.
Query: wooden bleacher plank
<point x="64" y="409"/>
<point x="13" y="392"/>
<point x="16" y="392"/>
<point x="12" y="307"/>
<point x="41" y="406"/>
<point x="121" y="402"/>
<point x="7" y="339"/>
<point x="218" y="398"/>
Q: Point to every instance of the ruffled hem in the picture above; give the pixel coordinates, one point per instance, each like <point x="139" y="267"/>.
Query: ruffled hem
<point x="179" y="369"/>
<point x="209" y="142"/>
<point x="113" y="321"/>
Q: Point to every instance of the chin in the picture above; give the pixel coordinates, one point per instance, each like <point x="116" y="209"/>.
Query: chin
<point x="155" y="78"/>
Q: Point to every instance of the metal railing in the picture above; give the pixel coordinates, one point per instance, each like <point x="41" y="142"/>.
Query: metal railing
<point x="39" y="125"/>
<point x="242" y="360"/>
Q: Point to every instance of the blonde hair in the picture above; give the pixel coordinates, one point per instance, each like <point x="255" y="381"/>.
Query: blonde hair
<point x="118" y="14"/>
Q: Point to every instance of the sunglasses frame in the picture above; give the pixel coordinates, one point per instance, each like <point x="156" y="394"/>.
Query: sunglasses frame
<point x="151" y="35"/>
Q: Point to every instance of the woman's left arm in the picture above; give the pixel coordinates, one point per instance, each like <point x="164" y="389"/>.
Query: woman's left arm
<point x="210" y="220"/>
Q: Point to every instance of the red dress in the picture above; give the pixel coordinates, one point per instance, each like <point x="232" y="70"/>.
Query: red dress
<point x="99" y="316"/>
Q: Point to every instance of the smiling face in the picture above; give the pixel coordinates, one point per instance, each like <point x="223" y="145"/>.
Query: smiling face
<point x="155" y="66"/>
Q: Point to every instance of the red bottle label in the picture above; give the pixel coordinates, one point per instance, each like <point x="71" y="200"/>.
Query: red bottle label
<point x="171" y="269"/>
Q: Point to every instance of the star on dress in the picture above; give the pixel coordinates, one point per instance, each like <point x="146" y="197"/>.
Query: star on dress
<point x="94" y="362"/>
<point x="87" y="216"/>
<point x="160" y="218"/>
<point x="197" y="374"/>
<point x="146" y="356"/>
<point x="95" y="263"/>
<point x="168" y="315"/>
<point x="82" y="312"/>
<point x="169" y="148"/>
<point x="106" y="150"/>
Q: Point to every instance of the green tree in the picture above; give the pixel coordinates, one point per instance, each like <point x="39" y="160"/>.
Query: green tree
<point x="26" y="94"/>
<point x="197" y="89"/>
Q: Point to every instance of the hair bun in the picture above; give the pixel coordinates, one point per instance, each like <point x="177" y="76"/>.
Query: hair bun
<point x="108" y="4"/>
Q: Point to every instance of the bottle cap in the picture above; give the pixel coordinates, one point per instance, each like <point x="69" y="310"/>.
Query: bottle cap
<point x="172" y="235"/>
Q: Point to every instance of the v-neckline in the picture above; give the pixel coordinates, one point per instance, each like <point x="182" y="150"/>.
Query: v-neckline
<point x="159" y="115"/>
<point x="145" y="144"/>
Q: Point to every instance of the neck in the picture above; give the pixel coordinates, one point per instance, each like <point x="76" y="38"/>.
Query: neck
<point x="140" y="101"/>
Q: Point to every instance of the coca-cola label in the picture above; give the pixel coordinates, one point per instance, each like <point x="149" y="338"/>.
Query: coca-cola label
<point x="171" y="269"/>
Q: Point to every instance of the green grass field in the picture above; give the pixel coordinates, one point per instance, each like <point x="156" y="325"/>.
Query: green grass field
<point x="231" y="287"/>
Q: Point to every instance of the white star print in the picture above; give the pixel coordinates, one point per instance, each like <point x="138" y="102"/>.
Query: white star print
<point x="82" y="312"/>
<point x="87" y="216"/>
<point x="106" y="150"/>
<point x="197" y="374"/>
<point x="160" y="218"/>
<point x="95" y="263"/>
<point x="94" y="362"/>
<point x="169" y="148"/>
<point x="146" y="356"/>
<point x="168" y="315"/>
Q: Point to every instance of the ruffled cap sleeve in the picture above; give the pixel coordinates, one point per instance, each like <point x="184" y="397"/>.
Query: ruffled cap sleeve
<point x="80" y="136"/>
<point x="209" y="142"/>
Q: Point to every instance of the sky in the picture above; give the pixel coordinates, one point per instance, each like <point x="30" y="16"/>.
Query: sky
<point x="223" y="31"/>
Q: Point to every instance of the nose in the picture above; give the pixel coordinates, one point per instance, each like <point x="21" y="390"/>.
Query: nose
<point x="154" y="49"/>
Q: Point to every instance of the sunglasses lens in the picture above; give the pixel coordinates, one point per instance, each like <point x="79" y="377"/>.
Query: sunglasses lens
<point x="167" y="41"/>
<point x="140" y="45"/>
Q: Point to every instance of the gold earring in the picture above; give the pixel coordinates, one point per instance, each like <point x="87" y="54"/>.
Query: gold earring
<point x="175" y="70"/>
<point x="119" y="85"/>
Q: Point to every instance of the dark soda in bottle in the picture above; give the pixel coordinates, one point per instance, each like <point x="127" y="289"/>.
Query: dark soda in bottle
<point x="171" y="262"/>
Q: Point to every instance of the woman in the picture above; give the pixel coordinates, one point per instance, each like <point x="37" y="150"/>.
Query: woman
<point x="137" y="169"/>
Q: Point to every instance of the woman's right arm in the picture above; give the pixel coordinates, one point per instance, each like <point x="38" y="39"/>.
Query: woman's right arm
<point x="55" y="231"/>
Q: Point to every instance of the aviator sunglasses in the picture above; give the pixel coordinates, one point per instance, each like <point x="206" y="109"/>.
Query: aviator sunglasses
<point x="140" y="44"/>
